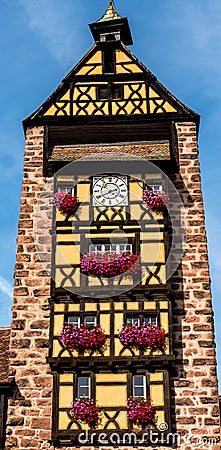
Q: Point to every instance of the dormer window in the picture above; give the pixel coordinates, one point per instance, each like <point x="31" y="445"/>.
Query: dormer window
<point x="107" y="37"/>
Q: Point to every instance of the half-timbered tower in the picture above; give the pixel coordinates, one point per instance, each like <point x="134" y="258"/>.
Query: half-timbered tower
<point x="112" y="291"/>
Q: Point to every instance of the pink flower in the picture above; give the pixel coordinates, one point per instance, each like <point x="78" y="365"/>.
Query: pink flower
<point x="156" y="200"/>
<point x="110" y="264"/>
<point x="140" y="411"/>
<point x="66" y="203"/>
<point x="144" y="336"/>
<point x="83" y="337"/>
<point x="86" y="411"/>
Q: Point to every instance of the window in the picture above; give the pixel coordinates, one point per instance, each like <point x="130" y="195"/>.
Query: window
<point x="104" y="37"/>
<point x="132" y="320"/>
<point x="114" y="93"/>
<point x="102" y="93"/>
<point x="155" y="187"/>
<point x="139" y="386"/>
<point x="84" y="387"/>
<point x="117" y="92"/>
<point x="152" y="320"/>
<point x="74" y="320"/>
<point x="66" y="190"/>
<point x="89" y="320"/>
<point x="139" y="320"/>
<point x="110" y="248"/>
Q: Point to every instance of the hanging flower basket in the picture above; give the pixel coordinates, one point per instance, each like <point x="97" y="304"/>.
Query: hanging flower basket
<point x="110" y="264"/>
<point x="156" y="200"/>
<point x="65" y="203"/>
<point x="83" y="338"/>
<point x="140" y="411"/>
<point x="142" y="337"/>
<point x="86" y="411"/>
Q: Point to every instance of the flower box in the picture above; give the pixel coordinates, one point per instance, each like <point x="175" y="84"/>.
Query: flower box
<point x="66" y="203"/>
<point x="156" y="200"/>
<point x="86" y="411"/>
<point x="140" y="411"/>
<point x="142" y="337"/>
<point x="83" y="338"/>
<point x="109" y="265"/>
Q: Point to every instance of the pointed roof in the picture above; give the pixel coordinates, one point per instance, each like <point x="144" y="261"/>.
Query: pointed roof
<point x="110" y="13"/>
<point x="112" y="22"/>
<point x="59" y="105"/>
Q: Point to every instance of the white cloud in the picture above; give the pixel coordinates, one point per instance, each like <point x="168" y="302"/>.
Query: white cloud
<point x="58" y="23"/>
<point x="5" y="287"/>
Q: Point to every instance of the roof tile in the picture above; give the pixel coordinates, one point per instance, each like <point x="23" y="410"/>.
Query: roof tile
<point x="148" y="151"/>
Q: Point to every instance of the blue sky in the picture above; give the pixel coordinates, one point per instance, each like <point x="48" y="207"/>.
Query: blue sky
<point x="40" y="41"/>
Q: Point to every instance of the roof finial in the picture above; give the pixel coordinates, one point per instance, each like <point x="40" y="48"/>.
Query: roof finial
<point x="110" y="13"/>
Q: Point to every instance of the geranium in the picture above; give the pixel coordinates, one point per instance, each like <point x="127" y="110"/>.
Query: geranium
<point x="66" y="203"/>
<point x="144" y="336"/>
<point x="156" y="200"/>
<point x="140" y="411"/>
<point x="109" y="264"/>
<point x="83" y="337"/>
<point x="86" y="411"/>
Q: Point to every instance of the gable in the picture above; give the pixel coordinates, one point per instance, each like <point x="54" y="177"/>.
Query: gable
<point x="130" y="90"/>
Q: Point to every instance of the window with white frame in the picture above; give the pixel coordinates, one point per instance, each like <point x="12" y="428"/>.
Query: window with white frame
<point x="139" y="386"/>
<point x="89" y="320"/>
<point x="132" y="320"/>
<point x="74" y="320"/>
<point x="156" y="187"/>
<point x="110" y="248"/>
<point x="151" y="319"/>
<point x="66" y="190"/>
<point x="139" y="320"/>
<point x="84" y="387"/>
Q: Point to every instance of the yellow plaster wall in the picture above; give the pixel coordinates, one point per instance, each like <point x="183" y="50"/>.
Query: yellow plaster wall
<point x="111" y="395"/>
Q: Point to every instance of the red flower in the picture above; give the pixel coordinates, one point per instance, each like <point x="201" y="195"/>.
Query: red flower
<point x="156" y="200"/>
<point x="66" y="203"/>
<point x="108" y="265"/>
<point x="140" y="411"/>
<point x="83" y="337"/>
<point x="142" y="337"/>
<point x="86" y="411"/>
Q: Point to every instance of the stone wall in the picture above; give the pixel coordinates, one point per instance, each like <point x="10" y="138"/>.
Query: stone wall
<point x="194" y="382"/>
<point x="29" y="413"/>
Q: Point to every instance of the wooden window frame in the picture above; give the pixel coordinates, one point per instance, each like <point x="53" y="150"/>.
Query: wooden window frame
<point x="110" y="89"/>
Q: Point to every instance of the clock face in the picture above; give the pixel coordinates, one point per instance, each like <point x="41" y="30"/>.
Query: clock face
<point x="110" y="191"/>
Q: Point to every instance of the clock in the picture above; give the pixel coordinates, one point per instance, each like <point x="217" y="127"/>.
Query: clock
<point x="110" y="191"/>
